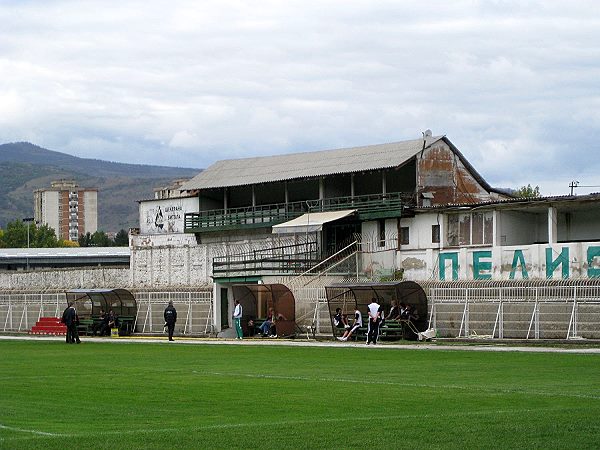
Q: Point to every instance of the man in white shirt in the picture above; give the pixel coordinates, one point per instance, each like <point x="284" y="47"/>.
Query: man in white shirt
<point x="237" y="318"/>
<point x="374" y="319"/>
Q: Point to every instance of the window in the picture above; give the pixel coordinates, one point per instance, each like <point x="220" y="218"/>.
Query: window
<point x="470" y="229"/>
<point x="435" y="234"/>
<point x="381" y="229"/>
<point x="404" y="236"/>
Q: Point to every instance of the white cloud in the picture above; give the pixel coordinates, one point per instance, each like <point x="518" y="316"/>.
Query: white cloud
<point x="513" y="84"/>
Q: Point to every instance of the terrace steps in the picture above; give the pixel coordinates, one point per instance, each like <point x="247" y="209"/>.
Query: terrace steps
<point x="49" y="326"/>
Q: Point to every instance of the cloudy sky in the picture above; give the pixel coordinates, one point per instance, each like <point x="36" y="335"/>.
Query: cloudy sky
<point x="515" y="85"/>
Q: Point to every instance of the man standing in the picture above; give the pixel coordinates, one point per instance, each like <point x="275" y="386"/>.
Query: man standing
<point x="170" y="319"/>
<point x="374" y="318"/>
<point x="237" y="319"/>
<point x="70" y="319"/>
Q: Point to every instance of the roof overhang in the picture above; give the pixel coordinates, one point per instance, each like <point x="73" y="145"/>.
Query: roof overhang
<point x="311" y="222"/>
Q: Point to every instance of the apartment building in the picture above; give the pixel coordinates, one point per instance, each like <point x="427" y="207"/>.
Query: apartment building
<point x="67" y="208"/>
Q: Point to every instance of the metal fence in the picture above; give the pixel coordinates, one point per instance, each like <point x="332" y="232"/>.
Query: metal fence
<point x="20" y="311"/>
<point x="525" y="309"/>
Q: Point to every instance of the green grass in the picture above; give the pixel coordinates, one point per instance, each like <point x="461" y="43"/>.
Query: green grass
<point x="103" y="395"/>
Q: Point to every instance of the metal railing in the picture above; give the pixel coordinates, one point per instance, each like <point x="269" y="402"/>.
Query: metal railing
<point x="368" y="206"/>
<point x="537" y="309"/>
<point x="19" y="312"/>
<point x="289" y="259"/>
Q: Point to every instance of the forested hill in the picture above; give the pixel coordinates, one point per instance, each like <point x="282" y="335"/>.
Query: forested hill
<point x="25" y="167"/>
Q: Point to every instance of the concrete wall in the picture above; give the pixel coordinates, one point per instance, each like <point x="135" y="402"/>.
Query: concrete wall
<point x="573" y="260"/>
<point x="97" y="277"/>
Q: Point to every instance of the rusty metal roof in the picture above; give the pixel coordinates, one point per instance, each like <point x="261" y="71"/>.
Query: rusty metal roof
<point x="240" y="172"/>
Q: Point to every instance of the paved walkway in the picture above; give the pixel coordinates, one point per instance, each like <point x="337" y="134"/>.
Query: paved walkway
<point x="475" y="346"/>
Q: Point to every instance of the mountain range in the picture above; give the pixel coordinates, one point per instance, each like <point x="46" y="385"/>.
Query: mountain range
<point x="25" y="167"/>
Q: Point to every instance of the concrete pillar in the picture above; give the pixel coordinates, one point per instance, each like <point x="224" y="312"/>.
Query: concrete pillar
<point x="383" y="183"/>
<point x="253" y="197"/>
<point x="351" y="185"/>
<point x="225" y="199"/>
<point x="321" y="188"/>
<point x="552" y="225"/>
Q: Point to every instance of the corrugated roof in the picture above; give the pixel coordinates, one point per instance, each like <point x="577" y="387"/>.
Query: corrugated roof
<point x="241" y="172"/>
<point x="64" y="252"/>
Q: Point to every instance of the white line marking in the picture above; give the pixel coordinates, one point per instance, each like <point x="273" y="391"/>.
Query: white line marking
<point x="415" y="385"/>
<point x="270" y="423"/>
<point x="22" y="430"/>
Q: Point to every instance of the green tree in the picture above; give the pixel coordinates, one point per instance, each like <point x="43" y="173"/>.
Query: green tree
<point x="85" y="240"/>
<point x="100" y="239"/>
<point x="15" y="236"/>
<point x="528" y="192"/>
<point x="122" y="239"/>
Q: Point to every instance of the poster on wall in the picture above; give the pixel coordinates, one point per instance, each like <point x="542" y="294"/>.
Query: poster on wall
<point x="165" y="216"/>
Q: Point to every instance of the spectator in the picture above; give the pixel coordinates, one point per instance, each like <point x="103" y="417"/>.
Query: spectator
<point x="355" y="326"/>
<point x="394" y="313"/>
<point x="170" y="316"/>
<point x="340" y="320"/>
<point x="98" y="325"/>
<point x="374" y="319"/>
<point x="265" y="328"/>
<point x="71" y="320"/>
<point x="237" y="319"/>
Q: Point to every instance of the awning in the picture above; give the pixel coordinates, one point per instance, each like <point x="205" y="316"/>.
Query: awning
<point x="311" y="222"/>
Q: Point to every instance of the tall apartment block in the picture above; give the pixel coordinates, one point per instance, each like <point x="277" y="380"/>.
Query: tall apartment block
<point x="70" y="210"/>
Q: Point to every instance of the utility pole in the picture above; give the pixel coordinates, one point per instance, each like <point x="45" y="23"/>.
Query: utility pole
<point x="573" y="185"/>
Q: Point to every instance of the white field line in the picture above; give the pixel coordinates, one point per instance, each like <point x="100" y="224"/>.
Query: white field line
<point x="402" y="384"/>
<point x="267" y="424"/>
<point x="334" y="380"/>
<point x="23" y="430"/>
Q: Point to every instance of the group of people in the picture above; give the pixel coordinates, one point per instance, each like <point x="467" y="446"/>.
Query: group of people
<point x="105" y="322"/>
<point x="376" y="316"/>
<point x="267" y="329"/>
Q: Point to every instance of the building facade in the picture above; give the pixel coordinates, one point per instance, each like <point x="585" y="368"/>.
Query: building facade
<point x="68" y="209"/>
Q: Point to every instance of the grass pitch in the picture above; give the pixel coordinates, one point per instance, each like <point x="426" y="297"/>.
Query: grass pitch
<point x="102" y="395"/>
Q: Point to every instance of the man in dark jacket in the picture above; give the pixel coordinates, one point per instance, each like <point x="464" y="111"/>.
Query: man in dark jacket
<point x="70" y="319"/>
<point x="170" y="319"/>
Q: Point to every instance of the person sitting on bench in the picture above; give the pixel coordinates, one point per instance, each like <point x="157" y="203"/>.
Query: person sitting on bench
<point x="265" y="328"/>
<point x="99" y="324"/>
<point x="340" y="320"/>
<point x="355" y="326"/>
<point x="394" y="313"/>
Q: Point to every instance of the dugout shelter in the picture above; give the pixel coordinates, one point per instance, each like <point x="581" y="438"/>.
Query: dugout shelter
<point x="256" y="299"/>
<point x="89" y="302"/>
<point x="351" y="296"/>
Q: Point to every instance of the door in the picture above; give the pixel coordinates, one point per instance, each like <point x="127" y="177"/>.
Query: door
<point x="224" y="308"/>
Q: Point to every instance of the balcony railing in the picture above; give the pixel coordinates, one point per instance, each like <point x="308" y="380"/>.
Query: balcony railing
<point x="291" y="259"/>
<point x="368" y="207"/>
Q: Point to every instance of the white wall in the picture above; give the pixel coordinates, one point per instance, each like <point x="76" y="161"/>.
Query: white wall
<point x="502" y="263"/>
<point x="50" y="210"/>
<point x="165" y="215"/>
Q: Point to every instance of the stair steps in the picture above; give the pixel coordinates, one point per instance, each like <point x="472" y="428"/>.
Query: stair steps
<point x="49" y="326"/>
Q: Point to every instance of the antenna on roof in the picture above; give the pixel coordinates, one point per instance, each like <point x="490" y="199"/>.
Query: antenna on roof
<point x="427" y="134"/>
<point x="572" y="185"/>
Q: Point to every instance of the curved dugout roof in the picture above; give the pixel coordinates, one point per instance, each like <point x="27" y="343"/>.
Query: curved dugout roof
<point x="349" y="296"/>
<point x="256" y="299"/>
<point x="89" y="302"/>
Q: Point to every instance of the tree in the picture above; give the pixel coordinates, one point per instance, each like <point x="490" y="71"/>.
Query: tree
<point x="85" y="240"/>
<point x="122" y="239"/>
<point x="15" y="236"/>
<point x="100" y="239"/>
<point x="528" y="192"/>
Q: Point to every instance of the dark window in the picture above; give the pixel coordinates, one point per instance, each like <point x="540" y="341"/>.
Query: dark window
<point x="435" y="234"/>
<point x="381" y="227"/>
<point x="404" y="236"/>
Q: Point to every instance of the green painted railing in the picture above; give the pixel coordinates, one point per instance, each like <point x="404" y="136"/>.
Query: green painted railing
<point x="368" y="206"/>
